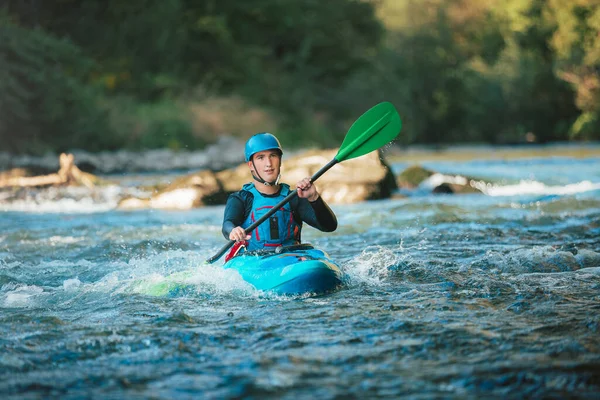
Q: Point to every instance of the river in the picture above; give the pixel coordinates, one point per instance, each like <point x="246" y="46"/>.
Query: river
<point x="455" y="296"/>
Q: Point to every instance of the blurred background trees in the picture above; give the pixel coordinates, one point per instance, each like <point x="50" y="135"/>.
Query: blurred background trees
<point x="103" y="75"/>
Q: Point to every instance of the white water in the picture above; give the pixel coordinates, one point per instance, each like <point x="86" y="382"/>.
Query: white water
<point x="475" y="296"/>
<point x="535" y="187"/>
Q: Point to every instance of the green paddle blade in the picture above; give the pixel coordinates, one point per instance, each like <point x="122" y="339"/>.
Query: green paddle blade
<point x="374" y="129"/>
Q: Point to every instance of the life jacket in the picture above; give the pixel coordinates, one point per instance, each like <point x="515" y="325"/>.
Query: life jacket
<point x="280" y="230"/>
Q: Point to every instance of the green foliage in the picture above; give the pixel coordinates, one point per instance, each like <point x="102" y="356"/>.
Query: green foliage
<point x="577" y="47"/>
<point x="163" y="124"/>
<point x="278" y="54"/>
<point x="104" y="75"/>
<point x="474" y="71"/>
<point x="136" y="45"/>
<point x="312" y="38"/>
<point x="586" y="127"/>
<point x="289" y="56"/>
<point x="44" y="104"/>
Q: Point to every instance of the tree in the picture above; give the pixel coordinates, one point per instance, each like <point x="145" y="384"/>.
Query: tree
<point x="44" y="102"/>
<point x="577" y="46"/>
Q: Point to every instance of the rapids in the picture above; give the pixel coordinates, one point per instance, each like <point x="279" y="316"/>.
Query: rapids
<point x="479" y="295"/>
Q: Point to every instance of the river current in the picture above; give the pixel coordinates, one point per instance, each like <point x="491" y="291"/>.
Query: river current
<point x="456" y="296"/>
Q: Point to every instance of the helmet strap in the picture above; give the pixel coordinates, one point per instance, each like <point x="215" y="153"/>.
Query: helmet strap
<point x="258" y="178"/>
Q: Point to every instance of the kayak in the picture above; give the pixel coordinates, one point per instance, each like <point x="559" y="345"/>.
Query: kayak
<point x="286" y="270"/>
<point x="293" y="269"/>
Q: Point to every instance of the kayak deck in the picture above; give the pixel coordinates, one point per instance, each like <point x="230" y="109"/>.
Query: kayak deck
<point x="288" y="270"/>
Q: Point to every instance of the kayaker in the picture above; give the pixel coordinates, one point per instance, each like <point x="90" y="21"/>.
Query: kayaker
<point x="263" y="155"/>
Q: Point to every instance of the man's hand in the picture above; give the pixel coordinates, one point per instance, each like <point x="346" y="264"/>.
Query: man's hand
<point x="238" y="234"/>
<point x="307" y="190"/>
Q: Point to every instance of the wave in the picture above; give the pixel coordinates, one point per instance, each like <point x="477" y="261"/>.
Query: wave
<point x="173" y="273"/>
<point x="204" y="280"/>
<point x="539" y="259"/>
<point x="522" y="187"/>
<point x="82" y="206"/>
<point x="20" y="296"/>
<point x="62" y="200"/>
<point x="527" y="187"/>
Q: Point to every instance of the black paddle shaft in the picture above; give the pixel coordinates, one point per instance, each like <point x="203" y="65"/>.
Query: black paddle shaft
<point x="272" y="211"/>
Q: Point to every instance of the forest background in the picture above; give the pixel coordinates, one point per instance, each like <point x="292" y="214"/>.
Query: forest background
<point x="143" y="74"/>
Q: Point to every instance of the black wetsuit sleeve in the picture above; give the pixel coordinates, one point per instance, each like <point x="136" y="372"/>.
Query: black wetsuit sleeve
<point x="236" y="209"/>
<point x="317" y="214"/>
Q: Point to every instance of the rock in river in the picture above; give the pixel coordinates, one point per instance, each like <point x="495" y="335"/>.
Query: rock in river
<point x="363" y="178"/>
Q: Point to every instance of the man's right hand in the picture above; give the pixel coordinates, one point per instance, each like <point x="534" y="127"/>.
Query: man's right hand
<point x="238" y="234"/>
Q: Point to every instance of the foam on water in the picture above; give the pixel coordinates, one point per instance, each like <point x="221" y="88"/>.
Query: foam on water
<point x="59" y="206"/>
<point x="523" y="187"/>
<point x="64" y="240"/>
<point x="20" y="296"/>
<point x="371" y="266"/>
<point x="71" y="284"/>
<point x="206" y="279"/>
<point x="526" y="187"/>
<point x="64" y="200"/>
<point x="168" y="272"/>
<point x="437" y="179"/>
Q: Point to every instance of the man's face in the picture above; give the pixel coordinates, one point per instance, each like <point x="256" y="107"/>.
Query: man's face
<point x="267" y="164"/>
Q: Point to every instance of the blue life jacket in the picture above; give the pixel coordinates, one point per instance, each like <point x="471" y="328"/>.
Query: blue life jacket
<point x="280" y="230"/>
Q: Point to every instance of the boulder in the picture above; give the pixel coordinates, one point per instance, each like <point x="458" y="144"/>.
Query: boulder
<point x="133" y="203"/>
<point x="190" y="191"/>
<point x="413" y="176"/>
<point x="449" y="184"/>
<point x="455" y="188"/>
<point x="363" y="178"/>
<point x="417" y="177"/>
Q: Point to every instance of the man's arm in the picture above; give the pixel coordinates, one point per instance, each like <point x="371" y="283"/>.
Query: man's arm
<point x="234" y="214"/>
<point x="317" y="214"/>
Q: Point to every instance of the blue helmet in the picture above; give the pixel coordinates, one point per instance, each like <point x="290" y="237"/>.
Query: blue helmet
<point x="260" y="142"/>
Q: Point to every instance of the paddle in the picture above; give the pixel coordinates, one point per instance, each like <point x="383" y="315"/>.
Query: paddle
<point x="372" y="130"/>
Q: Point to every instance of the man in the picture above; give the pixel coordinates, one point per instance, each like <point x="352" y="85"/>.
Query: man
<point x="263" y="156"/>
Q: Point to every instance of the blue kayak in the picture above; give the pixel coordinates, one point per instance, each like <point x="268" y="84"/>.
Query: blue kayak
<point x="288" y="270"/>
